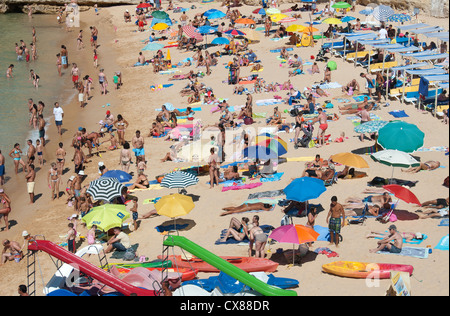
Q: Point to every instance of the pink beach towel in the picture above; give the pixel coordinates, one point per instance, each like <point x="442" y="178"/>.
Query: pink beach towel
<point x="242" y="187"/>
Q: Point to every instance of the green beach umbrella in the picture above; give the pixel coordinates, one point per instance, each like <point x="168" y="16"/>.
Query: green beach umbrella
<point x="160" y="15"/>
<point x="106" y="216"/>
<point x="401" y="136"/>
<point x="341" y="5"/>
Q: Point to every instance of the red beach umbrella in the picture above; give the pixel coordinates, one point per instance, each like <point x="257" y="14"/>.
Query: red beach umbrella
<point x="190" y="31"/>
<point x="402" y="193"/>
<point x="143" y="5"/>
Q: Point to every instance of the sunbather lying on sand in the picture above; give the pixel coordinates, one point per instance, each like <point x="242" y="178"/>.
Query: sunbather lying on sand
<point x="238" y="229"/>
<point x="429" y="165"/>
<point x="408" y="236"/>
<point x="383" y="200"/>
<point x="246" y="207"/>
<point x="438" y="203"/>
<point x="373" y="210"/>
<point x="433" y="213"/>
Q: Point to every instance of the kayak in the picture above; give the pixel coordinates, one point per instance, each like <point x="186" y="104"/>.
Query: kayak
<point x="148" y="264"/>
<point x="362" y="270"/>
<point x="229" y="285"/>
<point x="248" y="264"/>
<point x="186" y="274"/>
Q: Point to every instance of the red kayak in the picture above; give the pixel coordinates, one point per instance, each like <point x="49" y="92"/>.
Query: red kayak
<point x="186" y="273"/>
<point x="248" y="264"/>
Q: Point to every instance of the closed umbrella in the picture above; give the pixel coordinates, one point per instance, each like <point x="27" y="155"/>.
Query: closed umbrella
<point x="120" y="175"/>
<point x="401" y="136"/>
<point x="105" y="189"/>
<point x="294" y="234"/>
<point x="179" y="180"/>
<point x="350" y="159"/>
<point x="382" y="13"/>
<point x="106" y="216"/>
<point x="304" y="189"/>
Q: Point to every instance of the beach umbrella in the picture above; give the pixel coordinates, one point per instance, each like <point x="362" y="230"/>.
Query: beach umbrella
<point x="260" y="11"/>
<point x="295" y="28"/>
<point x="332" y="21"/>
<point x="106" y="216"/>
<point x="206" y="29"/>
<point x="370" y="127"/>
<point x="309" y="29"/>
<point x="288" y="20"/>
<point x="294" y="234"/>
<point x="275" y="145"/>
<point x="347" y="18"/>
<point x="401" y="136"/>
<point x="159" y="15"/>
<point x="304" y="189"/>
<point x="251" y="34"/>
<point x="167" y="21"/>
<point x="179" y="180"/>
<point x="214" y="14"/>
<point x="105" y="189"/>
<point x="220" y="41"/>
<point x="120" y="175"/>
<point x="160" y="26"/>
<point x="260" y="152"/>
<point x="191" y="32"/>
<point x="143" y="5"/>
<point x="402" y="193"/>
<point x="265" y="137"/>
<point x="278" y="17"/>
<point x="382" y="13"/>
<point x="174" y="205"/>
<point x="272" y="11"/>
<point x="400" y="17"/>
<point x="395" y="158"/>
<point x="153" y="46"/>
<point x="341" y="5"/>
<point x="244" y="21"/>
<point x="350" y="159"/>
<point x="234" y="32"/>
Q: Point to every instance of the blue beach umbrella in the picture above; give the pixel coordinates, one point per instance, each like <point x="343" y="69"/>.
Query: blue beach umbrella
<point x="234" y="32"/>
<point x="206" y="29"/>
<point x="220" y="41"/>
<point x="366" y="11"/>
<point x="304" y="189"/>
<point x="167" y="21"/>
<point x="214" y="14"/>
<point x="260" y="152"/>
<point x="120" y="175"/>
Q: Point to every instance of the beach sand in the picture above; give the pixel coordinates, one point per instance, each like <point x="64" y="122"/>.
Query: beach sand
<point x="119" y="48"/>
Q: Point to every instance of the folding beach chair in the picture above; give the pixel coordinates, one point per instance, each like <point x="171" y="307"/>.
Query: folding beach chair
<point x="362" y="218"/>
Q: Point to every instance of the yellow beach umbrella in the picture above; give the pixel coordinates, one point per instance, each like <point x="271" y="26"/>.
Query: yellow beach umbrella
<point x="332" y="21"/>
<point x="278" y="17"/>
<point x="174" y="205"/>
<point x="160" y="26"/>
<point x="350" y="159"/>
<point x="295" y="28"/>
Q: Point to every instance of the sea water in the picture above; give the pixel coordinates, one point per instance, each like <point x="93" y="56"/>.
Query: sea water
<point x="15" y="92"/>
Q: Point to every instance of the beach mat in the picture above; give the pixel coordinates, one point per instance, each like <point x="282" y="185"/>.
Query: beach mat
<point x="300" y="158"/>
<point x="324" y="233"/>
<point x="272" y="178"/>
<point x="266" y="194"/>
<point x="241" y="187"/>
<point x="403" y="215"/>
<point x="444" y="222"/>
<point x="415" y="252"/>
<point x="442" y="244"/>
<point x="170" y="227"/>
<point x="413" y="242"/>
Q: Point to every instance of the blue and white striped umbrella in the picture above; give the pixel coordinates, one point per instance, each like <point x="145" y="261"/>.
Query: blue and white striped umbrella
<point x="399" y="18"/>
<point x="179" y="179"/>
<point x="382" y="13"/>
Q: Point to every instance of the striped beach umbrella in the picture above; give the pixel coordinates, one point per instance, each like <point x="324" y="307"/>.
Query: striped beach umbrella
<point x="395" y="158"/>
<point x="105" y="189"/>
<point x="191" y="32"/>
<point x="179" y="180"/>
<point x="382" y="13"/>
<point x="288" y="20"/>
<point x="235" y="32"/>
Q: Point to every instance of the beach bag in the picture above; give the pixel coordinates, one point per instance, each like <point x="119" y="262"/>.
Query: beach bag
<point x="129" y="254"/>
<point x="248" y="121"/>
<point x="285" y="220"/>
<point x="311" y="144"/>
<point x="332" y="65"/>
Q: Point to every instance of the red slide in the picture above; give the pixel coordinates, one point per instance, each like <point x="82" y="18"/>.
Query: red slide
<point x="88" y="268"/>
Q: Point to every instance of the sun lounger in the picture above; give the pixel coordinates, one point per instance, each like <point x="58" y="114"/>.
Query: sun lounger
<point x="379" y="66"/>
<point x="351" y="56"/>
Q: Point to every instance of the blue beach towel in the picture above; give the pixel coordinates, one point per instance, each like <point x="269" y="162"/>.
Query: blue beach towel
<point x="166" y="228"/>
<point x="288" y="49"/>
<point x="414" y="241"/>
<point x="398" y="113"/>
<point x="273" y="177"/>
<point x="230" y="241"/>
<point x="444" y="222"/>
<point x="360" y="98"/>
<point x="443" y="244"/>
<point x="421" y="253"/>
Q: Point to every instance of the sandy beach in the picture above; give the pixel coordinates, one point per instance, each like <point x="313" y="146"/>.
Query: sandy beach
<point x="120" y="44"/>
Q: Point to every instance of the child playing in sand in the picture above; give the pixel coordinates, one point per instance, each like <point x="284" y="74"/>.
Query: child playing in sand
<point x="340" y="139"/>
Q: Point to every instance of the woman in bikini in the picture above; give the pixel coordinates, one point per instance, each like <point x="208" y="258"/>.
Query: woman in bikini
<point x="429" y="165"/>
<point x="258" y="237"/>
<point x="53" y="180"/>
<point x="102" y="81"/>
<point x="246" y="207"/>
<point x="237" y="229"/>
<point x="60" y="158"/>
<point x="121" y="124"/>
<point x="15" y="154"/>
<point x="125" y="157"/>
<point x="34" y="76"/>
<point x="141" y="182"/>
<point x="5" y="208"/>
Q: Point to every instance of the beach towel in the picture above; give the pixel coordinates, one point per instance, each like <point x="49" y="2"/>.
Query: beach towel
<point x="360" y="98"/>
<point x="398" y="113"/>
<point x="120" y="254"/>
<point x="444" y="222"/>
<point x="230" y="241"/>
<point x="324" y="233"/>
<point x="265" y="194"/>
<point x="300" y="158"/>
<point x="264" y="200"/>
<point x="415" y="252"/>
<point x="170" y="227"/>
<point x="268" y="102"/>
<point x="288" y="49"/>
<point x="241" y="187"/>
<point x="413" y="242"/>
<point x="272" y="178"/>
<point x="326" y="251"/>
<point x="442" y="244"/>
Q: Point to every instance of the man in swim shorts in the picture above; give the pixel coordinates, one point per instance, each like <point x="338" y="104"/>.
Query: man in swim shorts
<point x="2" y="168"/>
<point x="385" y="243"/>
<point x="322" y="119"/>
<point x="75" y="74"/>
<point x="138" y="144"/>
<point x="334" y="223"/>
